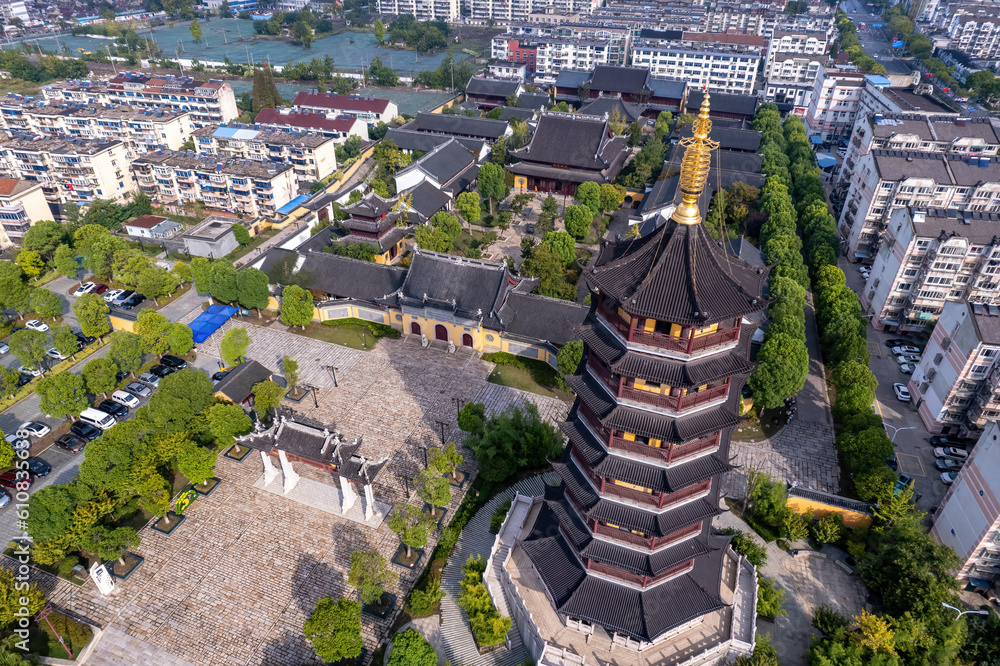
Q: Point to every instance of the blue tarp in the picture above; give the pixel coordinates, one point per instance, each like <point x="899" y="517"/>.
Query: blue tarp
<point x="210" y="320"/>
<point x="293" y="204"/>
<point x="816" y="138"/>
<point x="825" y="160"/>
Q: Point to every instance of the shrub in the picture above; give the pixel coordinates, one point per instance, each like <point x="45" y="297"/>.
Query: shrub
<point x="424" y="602"/>
<point x="794" y="527"/>
<point x="496" y="520"/>
<point x="488" y="627"/>
<point x="828" y="621"/>
<point x="378" y="330"/>
<point x="66" y="566"/>
<point x="828" y="528"/>
<point x="76" y="634"/>
<point x="769" y="599"/>
<point x="747" y="546"/>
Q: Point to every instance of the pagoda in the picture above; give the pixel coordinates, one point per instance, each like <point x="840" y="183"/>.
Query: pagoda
<point x="622" y="546"/>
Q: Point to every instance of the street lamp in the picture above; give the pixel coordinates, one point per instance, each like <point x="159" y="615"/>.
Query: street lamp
<point x="458" y="406"/>
<point x="895" y="430"/>
<point x="442" y="424"/>
<point x="962" y="612"/>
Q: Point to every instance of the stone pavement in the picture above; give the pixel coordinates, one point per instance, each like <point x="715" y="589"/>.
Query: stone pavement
<point x="810" y="580"/>
<point x="801" y="453"/>
<point x="234" y="583"/>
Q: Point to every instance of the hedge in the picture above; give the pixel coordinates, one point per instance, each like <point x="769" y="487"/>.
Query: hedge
<point x="540" y="371"/>
<point x="29" y="388"/>
<point x="378" y="330"/>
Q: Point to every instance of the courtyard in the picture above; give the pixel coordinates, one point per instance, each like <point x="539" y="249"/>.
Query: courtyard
<point x="234" y="583"/>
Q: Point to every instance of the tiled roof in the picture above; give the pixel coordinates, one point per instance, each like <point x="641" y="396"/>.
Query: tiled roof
<point x="422" y="141"/>
<point x="609" y="104"/>
<point x="305" y="119"/>
<point x="573" y="140"/>
<point x="493" y="87"/>
<point x="485" y="128"/>
<point x="332" y="100"/>
<point x="729" y="138"/>
<point x="444" y="163"/>
<point x="544" y="318"/>
<point x="607" y="78"/>
<point x="239" y="383"/>
<point x="145" y="221"/>
<point x="732" y="103"/>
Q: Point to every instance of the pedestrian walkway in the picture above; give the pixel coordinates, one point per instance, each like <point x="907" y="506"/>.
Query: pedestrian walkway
<point x="476" y="539"/>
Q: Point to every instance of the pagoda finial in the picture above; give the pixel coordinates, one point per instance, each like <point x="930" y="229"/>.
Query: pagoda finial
<point x="695" y="166"/>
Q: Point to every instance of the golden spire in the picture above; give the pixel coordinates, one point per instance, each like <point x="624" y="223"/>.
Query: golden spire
<point x="695" y="167"/>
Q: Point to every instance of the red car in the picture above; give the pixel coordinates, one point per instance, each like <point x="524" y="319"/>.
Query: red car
<point x="10" y="479"/>
<point x="99" y="289"/>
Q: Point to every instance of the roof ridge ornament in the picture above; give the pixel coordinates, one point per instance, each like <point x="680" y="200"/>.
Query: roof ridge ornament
<point x="695" y="166"/>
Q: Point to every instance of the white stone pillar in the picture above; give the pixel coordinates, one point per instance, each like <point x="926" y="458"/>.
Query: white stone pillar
<point x="270" y="472"/>
<point x="291" y="478"/>
<point x="347" y="490"/>
<point x="369" y="502"/>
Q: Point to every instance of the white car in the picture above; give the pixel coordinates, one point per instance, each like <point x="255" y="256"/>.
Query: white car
<point x="950" y="452"/>
<point x="4" y="348"/>
<point x="906" y="349"/>
<point x="34" y="372"/>
<point x="35" y="428"/>
<point x="37" y="325"/>
<point x="84" y="288"/>
<point x="902" y="393"/>
<point x="113" y="294"/>
<point x="125" y="398"/>
<point x="948" y="478"/>
<point x="912" y="359"/>
<point x="55" y="354"/>
<point x="19" y="443"/>
<point x="907" y="368"/>
<point x="863" y="269"/>
<point x="149" y="379"/>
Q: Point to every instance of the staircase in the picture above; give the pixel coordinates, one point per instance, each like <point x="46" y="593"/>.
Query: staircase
<point x="459" y="645"/>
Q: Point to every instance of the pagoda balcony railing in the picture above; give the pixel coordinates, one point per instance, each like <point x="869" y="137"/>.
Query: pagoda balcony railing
<point x="667" y="452"/>
<point x="636" y="579"/>
<point x="653" y="499"/>
<point x="686" y="344"/>
<point x="675" y="402"/>
<point x="603" y="373"/>
<point x="648" y="542"/>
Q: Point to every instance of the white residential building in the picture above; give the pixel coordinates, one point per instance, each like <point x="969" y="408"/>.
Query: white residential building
<point x="312" y="155"/>
<point x="508" y="11"/>
<point x="22" y="204"/>
<point x="365" y="107"/>
<point x="422" y="10"/>
<point x="720" y="69"/>
<point x="976" y="34"/>
<point x="833" y="104"/>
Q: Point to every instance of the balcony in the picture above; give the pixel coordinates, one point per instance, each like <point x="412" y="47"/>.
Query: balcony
<point x="686" y="343"/>
<point x="677" y="403"/>
<point x="653" y="499"/>
<point x="647" y="542"/>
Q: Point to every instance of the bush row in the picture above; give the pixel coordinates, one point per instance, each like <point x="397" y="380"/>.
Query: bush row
<point x="378" y="330"/>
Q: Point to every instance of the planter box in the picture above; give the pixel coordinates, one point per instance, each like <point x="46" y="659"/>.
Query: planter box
<point x="168" y="528"/>
<point x="401" y="552"/>
<point x="460" y="483"/>
<point x="213" y="483"/>
<point x="440" y="520"/>
<point x="357" y="661"/>
<point x="384" y="608"/>
<point x="244" y="452"/>
<point x="136" y="561"/>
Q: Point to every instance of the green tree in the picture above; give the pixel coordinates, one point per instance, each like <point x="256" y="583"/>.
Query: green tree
<point x="296" y="306"/>
<point x="183" y="272"/>
<point x="100" y="375"/>
<point x="663" y="123"/>
<point x="13" y="595"/>
<point x="472" y="418"/>
<point x="265" y="94"/>
<point x="589" y="194"/>
<point x="334" y="629"/>
<point x="51" y="509"/>
<point x="769" y="598"/>
<point x="491" y="183"/>
<point x="828" y="528"/>
<point x="44" y="303"/>
<point x="181" y="338"/>
<point x="241" y="234"/>
<point x="45" y="237"/>
<point x="112" y="544"/>
<point x="512" y="440"/>
<point x="561" y="245"/>
<point x="468" y="205"/>
<point x="578" y="220"/>
<point x="612" y="195"/>
<point x="153" y="330"/>
<point x="378" y="29"/>
<point x="195" y="31"/>
<point x="409" y="648"/>
<point x="432" y="488"/>
<point x="92" y="313"/>
<point x="234" y="345"/>
<point x="445" y="461"/>
<point x="981" y="645"/>
<point x="29" y="347"/>
<point x="201" y="272"/>
<point x="267" y="395"/>
<point x="62" y="395"/>
<point x="370" y="575"/>
<point x="6" y="454"/>
<point x="197" y="463"/>
<point x="302" y="33"/>
<point x="548" y="267"/>
<point x="126" y="351"/>
<point x="223" y="279"/>
<point x="226" y="422"/>
<point x="30" y="262"/>
<point x="179" y="403"/>
<point x="411" y="525"/>
<point x="156" y="282"/>
<point x="64" y="340"/>
<point x="290" y="367"/>
<point x="380" y="75"/>
<point x="783" y="363"/>
<point x="224" y="10"/>
<point x="569" y="356"/>
<point x="252" y="289"/>
<point x="65" y="261"/>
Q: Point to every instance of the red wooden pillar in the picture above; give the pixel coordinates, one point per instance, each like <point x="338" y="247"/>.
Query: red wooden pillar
<point x="690" y="340"/>
<point x="631" y="327"/>
<point x="602" y="484"/>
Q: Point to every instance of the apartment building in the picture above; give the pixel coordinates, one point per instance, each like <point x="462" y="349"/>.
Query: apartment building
<point x="956" y="382"/>
<point x="721" y="62"/>
<point x="881" y="95"/>
<point x="70" y="170"/>
<point x="422" y="10"/>
<point x="833" y="104"/>
<point x="968" y="519"/>
<point x="248" y="187"/>
<point x="922" y="134"/>
<point x="22" y="204"/>
<point x="793" y="67"/>
<point x="142" y="130"/>
<point x="530" y="11"/>
<point x="312" y="156"/>
<point x="14" y="9"/>
<point x="553" y="48"/>
<point x="884" y="180"/>
<point x="208" y="102"/>
<point x="976" y="33"/>
<point x="364" y="107"/>
<point x="927" y="258"/>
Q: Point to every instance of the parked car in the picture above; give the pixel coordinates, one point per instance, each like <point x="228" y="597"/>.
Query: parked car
<point x="116" y="410"/>
<point x="85" y="430"/>
<point x="132" y="301"/>
<point x="55" y="354"/>
<point x="902" y="481"/>
<point x="125" y="398"/>
<point x="162" y="371"/>
<point x="84" y="288"/>
<point x="72" y="443"/>
<point x="84" y="339"/>
<point x="34" y="372"/>
<point x="24" y="378"/>
<point x="951" y="452"/>
<point x="219" y="376"/>
<point x="112" y="295"/>
<point x="907" y="368"/>
<point x="34" y="428"/>
<point x="36" y="325"/>
<point x="864" y="269"/>
<point x="38" y="466"/>
<point x="140" y="390"/>
<point x="175" y="362"/>
<point x="4" y="499"/>
<point x="10" y="479"/>
<point x="4" y="348"/>
<point x="892" y="463"/>
<point x="946" y="440"/>
<point x="18" y="443"/>
<point x="149" y="379"/>
<point x="907" y="358"/>
<point x="948" y="478"/>
<point x="902" y="393"/>
<point x="99" y="288"/>
<point x="897" y="342"/>
<point x="948" y="464"/>
<point x="122" y="297"/>
<point x="905" y="349"/>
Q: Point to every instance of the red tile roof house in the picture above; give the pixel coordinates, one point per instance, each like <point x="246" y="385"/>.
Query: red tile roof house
<point x="337" y="127"/>
<point x="153" y="226"/>
<point x="365" y="107"/>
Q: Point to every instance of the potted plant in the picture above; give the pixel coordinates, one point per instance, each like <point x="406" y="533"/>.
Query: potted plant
<point x="433" y="489"/>
<point x="371" y="576"/>
<point x="114" y="545"/>
<point x="411" y="525"/>
<point x="446" y="461"/>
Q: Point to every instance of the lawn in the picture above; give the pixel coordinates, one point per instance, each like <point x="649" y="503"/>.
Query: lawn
<point x="520" y="378"/>
<point x="254" y="243"/>
<point x="355" y="337"/>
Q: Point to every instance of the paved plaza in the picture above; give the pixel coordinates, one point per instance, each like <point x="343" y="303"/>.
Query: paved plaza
<point x="234" y="583"/>
<point x="803" y="453"/>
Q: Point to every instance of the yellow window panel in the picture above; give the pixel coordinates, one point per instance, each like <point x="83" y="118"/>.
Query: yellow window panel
<point x="650" y="325"/>
<point x="706" y="330"/>
<point x="655" y="443"/>
<point x="633" y="486"/>
<point x="612" y="525"/>
<point x="675" y="330"/>
<point x="628" y="436"/>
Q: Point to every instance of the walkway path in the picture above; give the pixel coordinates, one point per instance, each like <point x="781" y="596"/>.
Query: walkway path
<point x="476" y="539"/>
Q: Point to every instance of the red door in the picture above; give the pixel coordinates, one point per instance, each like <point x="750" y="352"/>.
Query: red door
<point x="466" y="340"/>
<point x="414" y="328"/>
<point x="440" y="332"/>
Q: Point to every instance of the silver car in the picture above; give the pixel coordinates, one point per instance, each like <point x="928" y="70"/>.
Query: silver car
<point x="149" y="379"/>
<point x="139" y="389"/>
